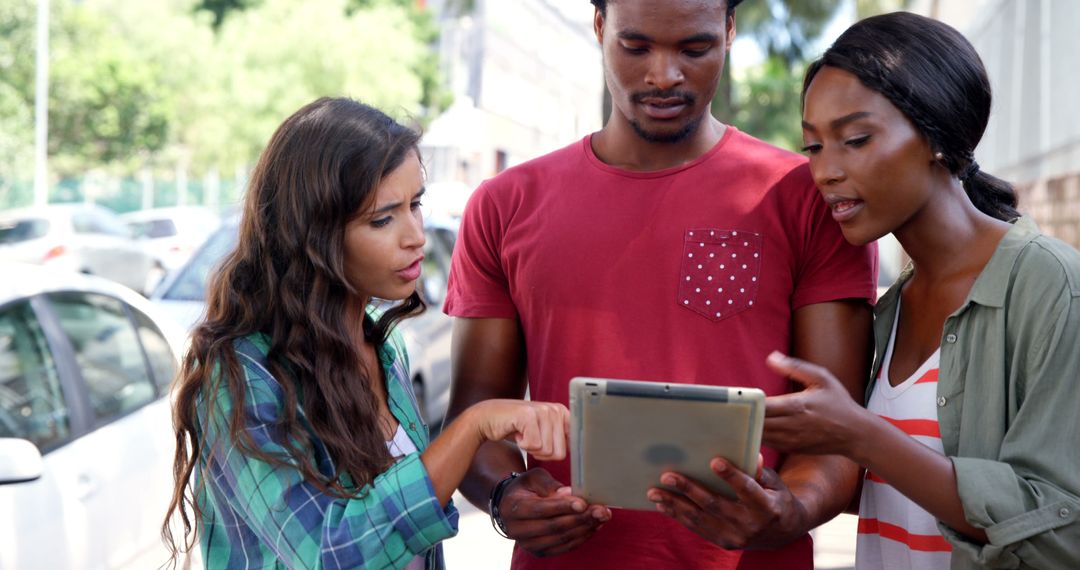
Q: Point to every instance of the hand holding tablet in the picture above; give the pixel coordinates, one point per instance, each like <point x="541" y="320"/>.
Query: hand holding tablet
<point x="624" y="434"/>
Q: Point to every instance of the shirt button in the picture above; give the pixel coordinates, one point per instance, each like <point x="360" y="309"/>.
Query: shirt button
<point x="412" y="425"/>
<point x="941" y="401"/>
<point x="1064" y="512"/>
<point x="950" y="338"/>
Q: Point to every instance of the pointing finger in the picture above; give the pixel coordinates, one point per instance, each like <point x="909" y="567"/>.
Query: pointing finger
<point x="801" y="371"/>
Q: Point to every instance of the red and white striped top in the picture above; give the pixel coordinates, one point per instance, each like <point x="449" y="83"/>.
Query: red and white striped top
<point x="894" y="532"/>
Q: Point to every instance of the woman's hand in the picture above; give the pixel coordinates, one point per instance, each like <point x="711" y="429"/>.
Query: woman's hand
<point x="822" y="419"/>
<point x="538" y="428"/>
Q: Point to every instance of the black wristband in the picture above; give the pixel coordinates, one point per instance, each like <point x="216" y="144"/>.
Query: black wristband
<point x="495" y="499"/>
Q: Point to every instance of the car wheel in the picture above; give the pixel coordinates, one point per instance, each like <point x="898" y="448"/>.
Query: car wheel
<point x="421" y="400"/>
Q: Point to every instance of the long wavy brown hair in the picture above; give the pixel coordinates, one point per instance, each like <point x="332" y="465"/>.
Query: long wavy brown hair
<point x="286" y="279"/>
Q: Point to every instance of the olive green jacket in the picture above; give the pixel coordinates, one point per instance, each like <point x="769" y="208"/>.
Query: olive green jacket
<point x="1009" y="403"/>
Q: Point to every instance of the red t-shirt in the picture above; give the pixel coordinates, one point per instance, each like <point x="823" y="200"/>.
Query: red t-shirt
<point x="689" y="274"/>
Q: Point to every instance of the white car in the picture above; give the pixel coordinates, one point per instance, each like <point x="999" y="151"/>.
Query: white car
<point x="182" y="296"/>
<point x="86" y="443"/>
<point x="81" y="238"/>
<point x="171" y="235"/>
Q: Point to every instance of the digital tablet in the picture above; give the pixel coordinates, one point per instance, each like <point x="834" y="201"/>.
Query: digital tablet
<point x="625" y="433"/>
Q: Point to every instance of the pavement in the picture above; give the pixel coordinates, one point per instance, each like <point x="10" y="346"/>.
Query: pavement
<point x="478" y="547"/>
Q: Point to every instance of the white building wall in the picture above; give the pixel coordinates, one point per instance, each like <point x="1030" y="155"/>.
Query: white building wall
<point x="527" y="79"/>
<point x="1030" y="49"/>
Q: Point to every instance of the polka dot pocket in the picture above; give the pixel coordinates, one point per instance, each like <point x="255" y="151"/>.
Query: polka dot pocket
<point x="720" y="270"/>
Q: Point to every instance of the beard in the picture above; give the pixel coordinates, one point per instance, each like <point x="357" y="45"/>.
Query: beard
<point x="665" y="137"/>
<point x="668" y="137"/>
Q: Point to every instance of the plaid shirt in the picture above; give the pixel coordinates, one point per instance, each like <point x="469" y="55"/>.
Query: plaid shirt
<point x="259" y="516"/>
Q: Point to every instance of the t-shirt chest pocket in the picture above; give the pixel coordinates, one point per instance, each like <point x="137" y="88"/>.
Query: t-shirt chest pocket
<point x="720" y="271"/>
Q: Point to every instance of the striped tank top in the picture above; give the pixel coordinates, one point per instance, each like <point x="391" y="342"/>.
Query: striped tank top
<point x="894" y="532"/>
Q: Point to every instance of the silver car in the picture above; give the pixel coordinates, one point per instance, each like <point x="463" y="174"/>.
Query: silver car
<point x="427" y="337"/>
<point x="86" y="445"/>
<point x="171" y="235"/>
<point x="81" y="238"/>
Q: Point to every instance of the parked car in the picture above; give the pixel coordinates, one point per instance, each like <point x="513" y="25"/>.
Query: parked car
<point x="82" y="238"/>
<point x="86" y="446"/>
<point x="171" y="235"/>
<point x="427" y="337"/>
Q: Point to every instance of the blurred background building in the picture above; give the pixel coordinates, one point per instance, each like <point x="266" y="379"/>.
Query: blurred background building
<point x="526" y="79"/>
<point x="1029" y="48"/>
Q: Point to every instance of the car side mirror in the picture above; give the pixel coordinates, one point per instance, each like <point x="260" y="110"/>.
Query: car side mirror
<point x="20" y="461"/>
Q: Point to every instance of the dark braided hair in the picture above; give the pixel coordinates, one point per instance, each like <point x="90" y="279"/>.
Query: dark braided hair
<point x="933" y="75"/>
<point x="602" y="6"/>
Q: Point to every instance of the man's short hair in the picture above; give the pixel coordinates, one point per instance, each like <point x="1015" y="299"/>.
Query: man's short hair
<point x="731" y="5"/>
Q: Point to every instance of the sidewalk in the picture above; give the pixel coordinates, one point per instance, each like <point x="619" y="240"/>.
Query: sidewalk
<point x="477" y="546"/>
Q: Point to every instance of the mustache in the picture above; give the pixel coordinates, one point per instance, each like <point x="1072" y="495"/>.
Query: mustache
<point x="641" y="96"/>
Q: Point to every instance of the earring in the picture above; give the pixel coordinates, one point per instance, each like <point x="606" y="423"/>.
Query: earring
<point x="939" y="156"/>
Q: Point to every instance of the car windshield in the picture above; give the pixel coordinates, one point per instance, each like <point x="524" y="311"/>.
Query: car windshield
<point x="190" y="284"/>
<point x="15" y="231"/>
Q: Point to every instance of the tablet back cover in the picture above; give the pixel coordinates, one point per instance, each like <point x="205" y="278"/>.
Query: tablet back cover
<point x="625" y="434"/>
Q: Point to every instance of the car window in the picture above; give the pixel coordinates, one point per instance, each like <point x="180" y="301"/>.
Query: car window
<point x="15" y="231"/>
<point x="153" y="228"/>
<point x="158" y="352"/>
<point x="109" y="223"/>
<point x="107" y="352"/>
<point x="190" y="284"/>
<point x="31" y="402"/>
<point x="98" y="221"/>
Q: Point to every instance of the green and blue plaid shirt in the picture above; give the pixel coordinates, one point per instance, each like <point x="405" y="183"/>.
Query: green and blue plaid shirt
<point x="259" y="516"/>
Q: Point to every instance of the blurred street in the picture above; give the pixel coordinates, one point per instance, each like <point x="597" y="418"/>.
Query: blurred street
<point x="129" y="131"/>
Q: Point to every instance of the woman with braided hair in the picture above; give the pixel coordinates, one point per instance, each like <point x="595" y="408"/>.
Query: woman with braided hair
<point x="969" y="434"/>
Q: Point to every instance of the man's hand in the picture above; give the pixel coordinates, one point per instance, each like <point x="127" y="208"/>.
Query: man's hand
<point x="764" y="515"/>
<point x="544" y="518"/>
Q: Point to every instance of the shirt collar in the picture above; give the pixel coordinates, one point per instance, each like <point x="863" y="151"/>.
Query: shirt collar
<point x="989" y="289"/>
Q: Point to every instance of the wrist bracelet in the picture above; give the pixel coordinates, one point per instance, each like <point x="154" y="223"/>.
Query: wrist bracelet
<point x="494" y="500"/>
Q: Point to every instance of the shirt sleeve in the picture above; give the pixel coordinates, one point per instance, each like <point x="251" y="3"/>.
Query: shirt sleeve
<point x="391" y="521"/>
<point x="478" y="286"/>
<point x="830" y="268"/>
<point x="1028" y="500"/>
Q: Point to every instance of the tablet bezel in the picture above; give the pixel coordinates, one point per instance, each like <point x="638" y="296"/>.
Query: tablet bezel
<point x="657" y="427"/>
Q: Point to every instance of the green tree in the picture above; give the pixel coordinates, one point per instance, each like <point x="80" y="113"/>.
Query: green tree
<point x="271" y="60"/>
<point x="769" y="95"/>
<point x="107" y="102"/>
<point x="765" y="101"/>
<point x="220" y="9"/>
<point x="16" y="94"/>
<point x="786" y="31"/>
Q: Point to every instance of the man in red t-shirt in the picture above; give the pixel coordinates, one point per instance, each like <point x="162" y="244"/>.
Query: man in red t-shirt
<point x="670" y="247"/>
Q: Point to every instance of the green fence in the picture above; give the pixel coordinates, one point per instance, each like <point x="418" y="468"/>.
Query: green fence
<point x="125" y="194"/>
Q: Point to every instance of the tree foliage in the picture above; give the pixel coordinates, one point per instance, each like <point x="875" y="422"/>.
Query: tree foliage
<point x="765" y="100"/>
<point x="220" y="9"/>
<point x="16" y="93"/>
<point x="202" y="83"/>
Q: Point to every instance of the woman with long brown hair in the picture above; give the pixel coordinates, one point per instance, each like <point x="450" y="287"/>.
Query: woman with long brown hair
<point x="299" y="442"/>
